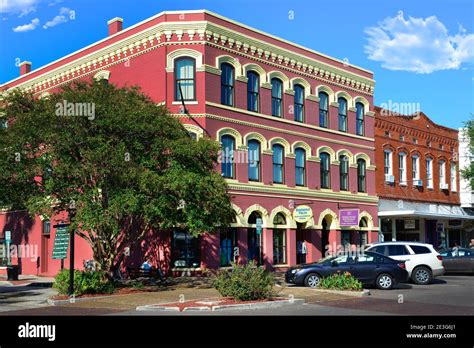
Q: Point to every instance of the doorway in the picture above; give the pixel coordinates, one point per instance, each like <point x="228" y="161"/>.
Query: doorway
<point x="324" y="238"/>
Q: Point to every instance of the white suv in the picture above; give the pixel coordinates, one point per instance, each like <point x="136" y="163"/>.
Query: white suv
<point x="422" y="261"/>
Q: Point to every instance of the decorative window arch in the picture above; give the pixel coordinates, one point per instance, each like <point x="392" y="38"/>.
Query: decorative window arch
<point x="192" y="128"/>
<point x="363" y="101"/>
<point x="303" y="145"/>
<point x="280" y="141"/>
<point x="184" y="52"/>
<point x="239" y="217"/>
<point x="258" y="208"/>
<point x="327" y="90"/>
<point x="230" y="60"/>
<point x="230" y="131"/>
<point x="300" y="81"/>
<point x="345" y="152"/>
<point x="279" y="75"/>
<point x="363" y="156"/>
<point x="290" y="222"/>
<point x="370" y="221"/>
<point x="102" y="75"/>
<point x="346" y="96"/>
<point x="327" y="149"/>
<point x="333" y="221"/>
<point x="256" y="136"/>
<point x="257" y="69"/>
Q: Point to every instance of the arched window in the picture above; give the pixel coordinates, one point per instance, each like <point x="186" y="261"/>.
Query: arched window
<point x="342" y="114"/>
<point x="278" y="167"/>
<point x="227" y="84"/>
<point x="253" y="218"/>
<point x="442" y="175"/>
<point x="254" y="239"/>
<point x="429" y="172"/>
<point x="363" y="236"/>
<point x="300" y="164"/>
<point x="402" y="168"/>
<point x="325" y="170"/>
<point x="279" y="239"/>
<point x="361" y="168"/>
<point x="228" y="147"/>
<point x="277" y="97"/>
<point x="185" y="78"/>
<point x="254" y="160"/>
<point x="415" y="167"/>
<point x="299" y="103"/>
<point x="453" y="176"/>
<point x="344" y="172"/>
<point x="387" y="165"/>
<point x="253" y="86"/>
<point x="323" y="109"/>
<point x="360" y="119"/>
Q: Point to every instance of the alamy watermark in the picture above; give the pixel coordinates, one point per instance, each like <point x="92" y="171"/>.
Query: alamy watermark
<point x="76" y="109"/>
<point x="392" y="108"/>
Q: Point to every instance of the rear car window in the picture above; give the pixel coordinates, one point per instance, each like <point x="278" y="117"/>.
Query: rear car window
<point x="379" y="249"/>
<point x="395" y="250"/>
<point x="418" y="249"/>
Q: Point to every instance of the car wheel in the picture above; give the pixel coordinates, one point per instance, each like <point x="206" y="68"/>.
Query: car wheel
<point x="312" y="280"/>
<point x="384" y="281"/>
<point x="421" y="275"/>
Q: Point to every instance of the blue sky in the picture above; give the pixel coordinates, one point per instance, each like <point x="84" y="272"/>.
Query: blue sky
<point x="421" y="52"/>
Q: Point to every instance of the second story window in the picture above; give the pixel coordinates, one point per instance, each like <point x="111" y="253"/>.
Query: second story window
<point x="323" y="110"/>
<point x="342" y="114"/>
<point x="253" y="85"/>
<point x="325" y="164"/>
<point x="387" y="162"/>
<point x="453" y="176"/>
<point x="277" y="97"/>
<point x="300" y="160"/>
<point x="185" y="79"/>
<point x="344" y="173"/>
<point x="402" y="168"/>
<point x="227" y="84"/>
<point x="442" y="174"/>
<point x="254" y="160"/>
<point x="228" y="147"/>
<point x="299" y="103"/>
<point x="360" y="119"/>
<point x="361" y="169"/>
<point x="429" y="172"/>
<point x="415" y="167"/>
<point x="278" y="158"/>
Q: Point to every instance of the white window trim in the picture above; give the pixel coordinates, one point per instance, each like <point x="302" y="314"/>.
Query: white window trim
<point x="403" y="178"/>
<point x="390" y="161"/>
<point x="417" y="167"/>
<point x="429" y="180"/>
<point x="454" y="182"/>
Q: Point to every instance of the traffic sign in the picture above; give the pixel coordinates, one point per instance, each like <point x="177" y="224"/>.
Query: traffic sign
<point x="259" y="225"/>
<point x="61" y="243"/>
<point x="8" y="236"/>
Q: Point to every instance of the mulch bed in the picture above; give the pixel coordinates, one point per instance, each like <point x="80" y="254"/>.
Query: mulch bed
<point x="215" y="302"/>
<point x="120" y="291"/>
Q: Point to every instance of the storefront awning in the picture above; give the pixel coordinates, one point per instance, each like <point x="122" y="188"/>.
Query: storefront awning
<point x="389" y="208"/>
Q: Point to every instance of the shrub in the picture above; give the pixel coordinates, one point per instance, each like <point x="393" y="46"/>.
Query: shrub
<point x="341" y="281"/>
<point x="245" y="282"/>
<point x="94" y="282"/>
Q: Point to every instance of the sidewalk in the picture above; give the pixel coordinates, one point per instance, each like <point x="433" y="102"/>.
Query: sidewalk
<point x="27" y="280"/>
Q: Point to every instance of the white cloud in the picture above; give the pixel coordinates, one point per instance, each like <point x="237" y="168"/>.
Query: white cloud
<point x="420" y="45"/>
<point x="27" y="27"/>
<point x="22" y="7"/>
<point x="63" y="17"/>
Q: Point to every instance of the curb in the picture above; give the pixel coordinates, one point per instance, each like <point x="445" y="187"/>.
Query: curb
<point x="362" y="293"/>
<point x="76" y="299"/>
<point x="257" y="305"/>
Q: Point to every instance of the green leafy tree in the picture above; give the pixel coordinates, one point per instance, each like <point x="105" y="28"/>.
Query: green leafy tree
<point x="468" y="172"/>
<point x="121" y="172"/>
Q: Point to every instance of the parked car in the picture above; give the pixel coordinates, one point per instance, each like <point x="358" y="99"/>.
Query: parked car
<point x="369" y="268"/>
<point x="423" y="262"/>
<point x="458" y="260"/>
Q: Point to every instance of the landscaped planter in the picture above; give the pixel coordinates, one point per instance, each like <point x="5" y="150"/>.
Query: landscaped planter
<point x="360" y="293"/>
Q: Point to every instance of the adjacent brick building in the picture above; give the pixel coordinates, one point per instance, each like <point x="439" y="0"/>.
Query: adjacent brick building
<point x="305" y="121"/>
<point x="417" y="180"/>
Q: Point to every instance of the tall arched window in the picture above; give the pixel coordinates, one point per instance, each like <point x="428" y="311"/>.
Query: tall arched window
<point x="185" y="79"/>
<point x="299" y="103"/>
<point x="453" y="176"/>
<point x="277" y="97"/>
<point x="228" y="147"/>
<point x="278" y="167"/>
<point x="227" y="84"/>
<point x="429" y="172"/>
<point x="402" y="168"/>
<point x="300" y="165"/>
<point x="325" y="170"/>
<point x="323" y="109"/>
<point x="360" y="119"/>
<point x="442" y="175"/>
<point x="361" y="168"/>
<point x="254" y="160"/>
<point x="254" y="239"/>
<point x="279" y="239"/>
<point x="253" y="90"/>
<point x="342" y="114"/>
<point x="344" y="172"/>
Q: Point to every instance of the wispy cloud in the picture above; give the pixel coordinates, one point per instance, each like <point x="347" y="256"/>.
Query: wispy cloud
<point x="27" y="27"/>
<point x="420" y="45"/>
<point x="63" y="17"/>
<point x="21" y="7"/>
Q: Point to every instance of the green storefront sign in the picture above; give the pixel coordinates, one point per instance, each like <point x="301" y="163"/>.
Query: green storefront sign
<point x="61" y="243"/>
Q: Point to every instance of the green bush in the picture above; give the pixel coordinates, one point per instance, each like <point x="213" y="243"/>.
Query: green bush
<point x="341" y="281"/>
<point x="94" y="282"/>
<point x="245" y="282"/>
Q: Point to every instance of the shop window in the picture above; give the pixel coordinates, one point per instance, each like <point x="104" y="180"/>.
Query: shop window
<point x="279" y="239"/>
<point x="345" y="238"/>
<point x="185" y="250"/>
<point x="228" y="241"/>
<point x="254" y="240"/>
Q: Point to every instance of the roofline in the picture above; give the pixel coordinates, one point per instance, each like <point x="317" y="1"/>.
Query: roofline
<point x="181" y="12"/>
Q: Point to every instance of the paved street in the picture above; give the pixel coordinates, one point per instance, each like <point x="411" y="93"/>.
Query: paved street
<point x="448" y="295"/>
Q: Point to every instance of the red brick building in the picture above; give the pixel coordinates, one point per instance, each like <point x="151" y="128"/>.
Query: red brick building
<point x="298" y="125"/>
<point x="417" y="179"/>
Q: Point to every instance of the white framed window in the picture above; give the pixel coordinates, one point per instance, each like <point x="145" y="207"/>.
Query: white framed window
<point x="388" y="168"/>
<point x="429" y="172"/>
<point x="442" y="174"/>
<point x="415" y="167"/>
<point x="453" y="177"/>
<point x="402" y="168"/>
